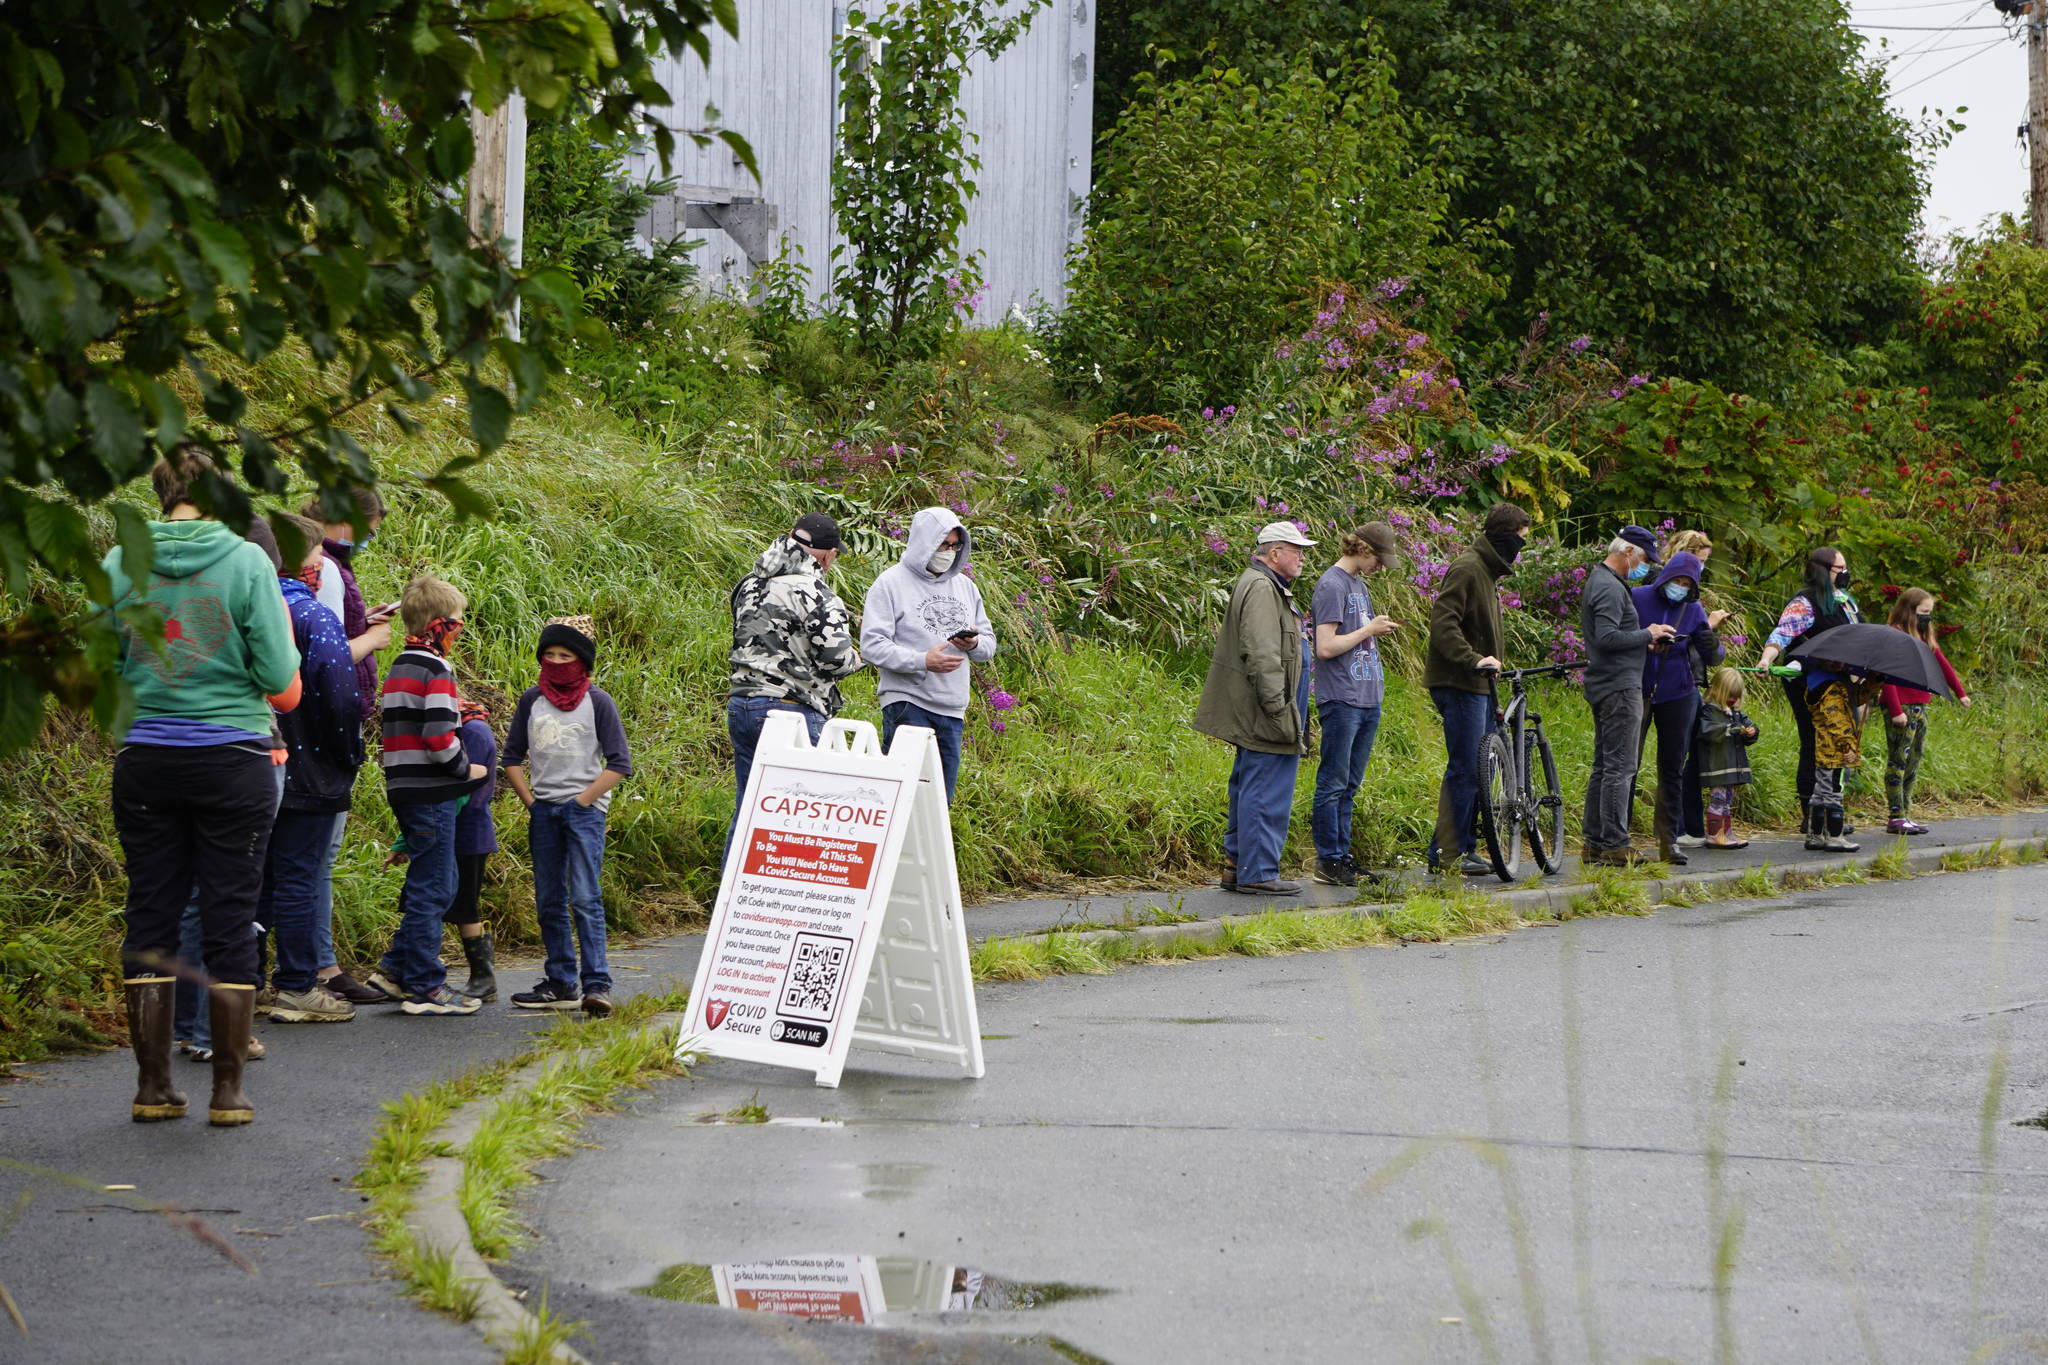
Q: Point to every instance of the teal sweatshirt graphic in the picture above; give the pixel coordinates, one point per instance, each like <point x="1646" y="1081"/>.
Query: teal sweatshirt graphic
<point x="227" y="638"/>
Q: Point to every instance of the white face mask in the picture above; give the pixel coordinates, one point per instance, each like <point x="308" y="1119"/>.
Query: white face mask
<point x="942" y="561"/>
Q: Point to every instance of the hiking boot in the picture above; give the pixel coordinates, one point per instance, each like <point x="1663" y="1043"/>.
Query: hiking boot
<point x="1671" y="855"/>
<point x="355" y="992"/>
<point x="597" y="1004"/>
<point x="231" y="1008"/>
<point x="441" y="1000"/>
<point x="315" y="1005"/>
<point x="266" y="996"/>
<point x="1618" y="857"/>
<point x="1836" y="844"/>
<point x="152" y="1006"/>
<point x="1335" y="872"/>
<point x="1229" y="877"/>
<point x="546" y="995"/>
<point x="481" y="953"/>
<point x="1272" y="888"/>
<point x="393" y="989"/>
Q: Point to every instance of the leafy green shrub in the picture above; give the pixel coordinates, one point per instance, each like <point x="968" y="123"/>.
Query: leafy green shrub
<point x="1220" y="208"/>
<point x="581" y="207"/>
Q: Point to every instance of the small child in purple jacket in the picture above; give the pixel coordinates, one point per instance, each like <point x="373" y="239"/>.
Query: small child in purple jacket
<point x="476" y="839"/>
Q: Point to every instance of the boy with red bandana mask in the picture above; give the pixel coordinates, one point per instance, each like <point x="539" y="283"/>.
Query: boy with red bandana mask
<point x="568" y="734"/>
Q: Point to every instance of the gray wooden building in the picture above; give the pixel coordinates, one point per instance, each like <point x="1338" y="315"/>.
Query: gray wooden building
<point x="775" y="85"/>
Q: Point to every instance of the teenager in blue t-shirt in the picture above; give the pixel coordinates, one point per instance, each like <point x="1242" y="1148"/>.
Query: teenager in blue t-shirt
<point x="1349" y="681"/>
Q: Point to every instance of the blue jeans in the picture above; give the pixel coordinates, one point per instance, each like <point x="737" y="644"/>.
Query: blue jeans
<point x="323" y="923"/>
<point x="1468" y="720"/>
<point x="566" y="843"/>
<point x="1261" y="802"/>
<point x="296" y="880"/>
<point x="1348" y="733"/>
<point x="414" y="958"/>
<point x="947" y="728"/>
<point x="744" y="717"/>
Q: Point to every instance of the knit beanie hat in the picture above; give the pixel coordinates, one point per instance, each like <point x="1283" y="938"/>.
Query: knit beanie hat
<point x="569" y="637"/>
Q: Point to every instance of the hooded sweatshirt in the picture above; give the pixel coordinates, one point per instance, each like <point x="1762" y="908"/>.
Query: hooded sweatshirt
<point x="911" y="610"/>
<point x="1668" y="674"/>
<point x="791" y="636"/>
<point x="227" y="640"/>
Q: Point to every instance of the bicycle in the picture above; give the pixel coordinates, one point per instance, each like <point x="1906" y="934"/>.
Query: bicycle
<point x="1509" y="804"/>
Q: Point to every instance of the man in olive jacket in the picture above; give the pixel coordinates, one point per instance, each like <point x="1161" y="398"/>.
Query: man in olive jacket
<point x="1252" y="701"/>
<point x="1464" y="645"/>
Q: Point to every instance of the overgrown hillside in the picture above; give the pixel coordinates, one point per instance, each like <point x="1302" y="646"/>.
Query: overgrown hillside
<point x="1104" y="551"/>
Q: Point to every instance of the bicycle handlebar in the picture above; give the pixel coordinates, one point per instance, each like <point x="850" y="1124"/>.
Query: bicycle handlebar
<point x="1547" y="671"/>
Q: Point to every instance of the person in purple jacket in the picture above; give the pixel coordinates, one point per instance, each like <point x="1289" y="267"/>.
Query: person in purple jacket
<point x="476" y="839"/>
<point x="1671" y="699"/>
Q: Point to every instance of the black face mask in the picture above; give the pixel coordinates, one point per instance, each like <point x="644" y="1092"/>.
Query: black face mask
<point x="1842" y="578"/>
<point x="1508" y="545"/>
<point x="1925" y="617"/>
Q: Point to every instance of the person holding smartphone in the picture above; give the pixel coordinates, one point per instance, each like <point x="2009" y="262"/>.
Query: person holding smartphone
<point x="922" y="626"/>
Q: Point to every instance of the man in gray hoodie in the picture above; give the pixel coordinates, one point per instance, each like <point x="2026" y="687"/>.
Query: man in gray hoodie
<point x="923" y="622"/>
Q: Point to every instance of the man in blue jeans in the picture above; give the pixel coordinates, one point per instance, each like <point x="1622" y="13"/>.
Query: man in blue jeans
<point x="1464" y="648"/>
<point x="1252" y="700"/>
<point x="923" y="623"/>
<point x="792" y="641"/>
<point x="1349" y="684"/>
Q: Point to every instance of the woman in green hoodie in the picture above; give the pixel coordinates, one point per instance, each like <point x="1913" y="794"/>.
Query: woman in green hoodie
<point x="194" y="795"/>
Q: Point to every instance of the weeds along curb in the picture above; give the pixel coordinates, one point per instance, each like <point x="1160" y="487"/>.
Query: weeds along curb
<point x="1619" y="893"/>
<point x="434" y="1242"/>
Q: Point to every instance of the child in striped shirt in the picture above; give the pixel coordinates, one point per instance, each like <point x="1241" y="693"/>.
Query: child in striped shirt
<point x="426" y="774"/>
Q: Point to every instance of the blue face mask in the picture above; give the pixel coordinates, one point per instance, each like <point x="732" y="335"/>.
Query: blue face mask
<point x="1676" y="592"/>
<point x="1638" y="573"/>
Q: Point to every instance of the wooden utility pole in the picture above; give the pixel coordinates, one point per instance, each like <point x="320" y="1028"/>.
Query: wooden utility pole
<point x="2037" y="120"/>
<point x="497" y="178"/>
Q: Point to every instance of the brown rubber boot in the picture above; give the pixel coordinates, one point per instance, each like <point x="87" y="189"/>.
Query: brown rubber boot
<point x="231" y="1009"/>
<point x="152" y="1011"/>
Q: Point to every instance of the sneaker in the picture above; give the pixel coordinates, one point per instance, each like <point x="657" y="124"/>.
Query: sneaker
<point x="441" y="1000"/>
<point x="546" y="995"/>
<point x="391" y="988"/>
<point x="597" y="1004"/>
<point x="1272" y="888"/>
<point x="1690" y="841"/>
<point x="1335" y="872"/>
<point x="1472" y="865"/>
<point x="355" y="992"/>
<point x="316" y="1005"/>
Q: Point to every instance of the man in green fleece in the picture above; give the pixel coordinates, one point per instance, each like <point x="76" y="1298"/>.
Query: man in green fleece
<point x="194" y="794"/>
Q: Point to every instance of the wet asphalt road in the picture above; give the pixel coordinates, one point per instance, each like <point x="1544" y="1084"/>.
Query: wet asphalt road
<point x="1505" y="1149"/>
<point x="94" y="1281"/>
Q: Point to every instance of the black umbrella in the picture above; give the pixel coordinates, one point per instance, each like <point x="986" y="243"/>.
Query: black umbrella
<point x="1896" y="656"/>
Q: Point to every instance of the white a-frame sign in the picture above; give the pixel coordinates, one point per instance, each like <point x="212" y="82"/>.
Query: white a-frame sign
<point x="840" y="872"/>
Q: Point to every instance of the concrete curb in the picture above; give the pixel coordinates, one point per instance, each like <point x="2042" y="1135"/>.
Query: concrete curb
<point x="436" y="1218"/>
<point x="1552" y="901"/>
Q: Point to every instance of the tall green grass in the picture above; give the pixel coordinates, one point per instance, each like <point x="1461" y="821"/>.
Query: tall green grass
<point x="645" y="527"/>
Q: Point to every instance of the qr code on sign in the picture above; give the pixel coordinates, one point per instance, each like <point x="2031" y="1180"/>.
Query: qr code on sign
<point x="816" y="969"/>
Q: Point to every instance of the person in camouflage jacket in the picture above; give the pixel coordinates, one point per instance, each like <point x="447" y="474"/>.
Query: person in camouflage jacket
<point x="792" y="640"/>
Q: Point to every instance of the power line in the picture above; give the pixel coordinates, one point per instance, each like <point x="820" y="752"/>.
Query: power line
<point x="1932" y="28"/>
<point x="1917" y="53"/>
<point x="1946" y="69"/>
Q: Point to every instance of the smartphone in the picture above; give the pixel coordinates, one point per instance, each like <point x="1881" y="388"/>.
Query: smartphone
<point x="964" y="637"/>
<point x="383" y="613"/>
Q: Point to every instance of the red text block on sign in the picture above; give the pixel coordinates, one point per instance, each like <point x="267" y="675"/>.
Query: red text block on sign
<point x="810" y="858"/>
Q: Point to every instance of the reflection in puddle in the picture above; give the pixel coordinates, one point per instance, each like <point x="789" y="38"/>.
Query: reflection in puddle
<point x="854" y="1288"/>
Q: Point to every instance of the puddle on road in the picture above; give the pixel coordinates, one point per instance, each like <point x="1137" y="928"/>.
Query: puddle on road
<point x="835" y="1288"/>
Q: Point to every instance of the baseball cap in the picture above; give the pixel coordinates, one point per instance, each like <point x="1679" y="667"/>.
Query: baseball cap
<point x="1282" y="533"/>
<point x="1643" y="539"/>
<point x="1380" y="536"/>
<point x="816" y="530"/>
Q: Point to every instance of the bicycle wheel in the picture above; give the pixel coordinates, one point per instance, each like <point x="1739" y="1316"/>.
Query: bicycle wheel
<point x="1545" y="802"/>
<point x="1500" y="806"/>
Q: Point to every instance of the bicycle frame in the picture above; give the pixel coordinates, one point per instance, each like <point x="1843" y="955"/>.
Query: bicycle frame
<point x="1509" y="806"/>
